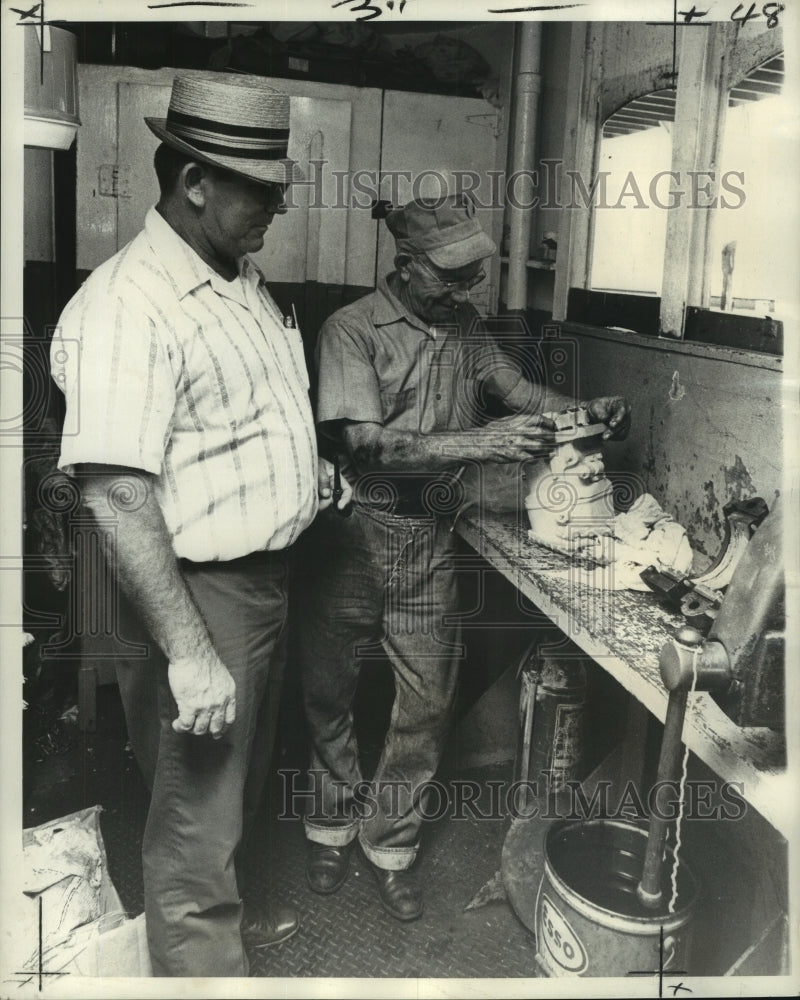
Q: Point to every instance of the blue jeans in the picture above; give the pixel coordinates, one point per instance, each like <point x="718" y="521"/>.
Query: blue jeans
<point x="202" y="788"/>
<point x="382" y="584"/>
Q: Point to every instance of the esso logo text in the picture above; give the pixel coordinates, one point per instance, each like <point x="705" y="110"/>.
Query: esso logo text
<point x="560" y="939"/>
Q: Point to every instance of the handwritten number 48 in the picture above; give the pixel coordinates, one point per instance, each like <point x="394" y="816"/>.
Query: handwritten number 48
<point x="769" y="10"/>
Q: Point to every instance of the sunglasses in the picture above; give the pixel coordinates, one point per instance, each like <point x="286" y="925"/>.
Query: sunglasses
<point x="462" y="285"/>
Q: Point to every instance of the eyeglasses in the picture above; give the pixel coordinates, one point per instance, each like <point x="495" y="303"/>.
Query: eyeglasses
<point x="275" y="192"/>
<point x="462" y="285"/>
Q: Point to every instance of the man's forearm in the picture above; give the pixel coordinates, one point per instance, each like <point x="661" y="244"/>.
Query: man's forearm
<point x="527" y="398"/>
<point x="409" y="451"/>
<point x="375" y="448"/>
<point x="144" y="563"/>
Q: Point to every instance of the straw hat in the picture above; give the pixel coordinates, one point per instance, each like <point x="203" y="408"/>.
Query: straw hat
<point x="230" y="121"/>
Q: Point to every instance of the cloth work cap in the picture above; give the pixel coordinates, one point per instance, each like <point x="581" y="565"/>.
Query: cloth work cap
<point x="231" y="121"/>
<point x="446" y="230"/>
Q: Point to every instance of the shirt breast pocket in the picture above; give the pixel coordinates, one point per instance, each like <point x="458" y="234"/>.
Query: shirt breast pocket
<point x="397" y="406"/>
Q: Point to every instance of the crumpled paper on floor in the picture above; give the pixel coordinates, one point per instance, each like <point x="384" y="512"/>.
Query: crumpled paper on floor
<point x="65" y="867"/>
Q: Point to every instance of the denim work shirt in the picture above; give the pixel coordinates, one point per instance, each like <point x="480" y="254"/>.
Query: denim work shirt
<point x="379" y="363"/>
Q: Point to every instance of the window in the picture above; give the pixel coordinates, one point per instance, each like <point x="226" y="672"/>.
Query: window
<point x="749" y="271"/>
<point x="693" y="212"/>
<point x="629" y="231"/>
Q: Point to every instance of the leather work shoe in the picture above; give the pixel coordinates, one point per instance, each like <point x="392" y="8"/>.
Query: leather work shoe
<point x="399" y="893"/>
<point x="278" y="924"/>
<point x="327" y="866"/>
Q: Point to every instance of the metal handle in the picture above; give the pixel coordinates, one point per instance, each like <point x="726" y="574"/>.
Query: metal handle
<point x="649" y="889"/>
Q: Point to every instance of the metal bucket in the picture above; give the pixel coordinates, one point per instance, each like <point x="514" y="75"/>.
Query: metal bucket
<point x="589" y="921"/>
<point x="51" y="86"/>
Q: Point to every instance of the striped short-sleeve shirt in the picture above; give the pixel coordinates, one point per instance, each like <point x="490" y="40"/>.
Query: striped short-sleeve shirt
<point x="168" y="368"/>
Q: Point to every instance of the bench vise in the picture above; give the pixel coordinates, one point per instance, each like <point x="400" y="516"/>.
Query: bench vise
<point x="741" y="661"/>
<point x="699" y="597"/>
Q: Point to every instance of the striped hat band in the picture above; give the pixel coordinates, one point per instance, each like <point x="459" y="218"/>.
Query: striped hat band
<point x="251" y="142"/>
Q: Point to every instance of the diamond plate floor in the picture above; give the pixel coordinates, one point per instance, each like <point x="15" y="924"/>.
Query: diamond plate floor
<point x="345" y="935"/>
<point x="349" y="933"/>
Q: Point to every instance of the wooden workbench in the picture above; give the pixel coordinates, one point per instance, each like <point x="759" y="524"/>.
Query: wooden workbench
<point x="624" y="631"/>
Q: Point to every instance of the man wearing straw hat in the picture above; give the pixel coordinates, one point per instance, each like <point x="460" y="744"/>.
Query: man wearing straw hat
<point x="189" y="430"/>
<point x="399" y="374"/>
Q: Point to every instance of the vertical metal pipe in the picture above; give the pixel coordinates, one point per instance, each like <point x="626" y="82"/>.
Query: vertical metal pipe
<point x="528" y="85"/>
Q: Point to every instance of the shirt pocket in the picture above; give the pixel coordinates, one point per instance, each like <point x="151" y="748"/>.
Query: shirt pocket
<point x="400" y="406"/>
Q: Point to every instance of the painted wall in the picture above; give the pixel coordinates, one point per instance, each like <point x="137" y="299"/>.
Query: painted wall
<point x="705" y="430"/>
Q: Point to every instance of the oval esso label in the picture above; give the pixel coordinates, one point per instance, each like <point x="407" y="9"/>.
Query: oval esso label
<point x="560" y="939"/>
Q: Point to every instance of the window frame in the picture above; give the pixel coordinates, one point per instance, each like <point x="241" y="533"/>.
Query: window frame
<point x="711" y="61"/>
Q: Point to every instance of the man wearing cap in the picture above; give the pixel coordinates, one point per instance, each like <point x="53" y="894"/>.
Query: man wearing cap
<point x="400" y="372"/>
<point x="190" y="432"/>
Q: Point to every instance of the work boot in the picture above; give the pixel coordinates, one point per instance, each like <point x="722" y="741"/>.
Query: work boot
<point x="399" y="893"/>
<point x="278" y="924"/>
<point x="327" y="866"/>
